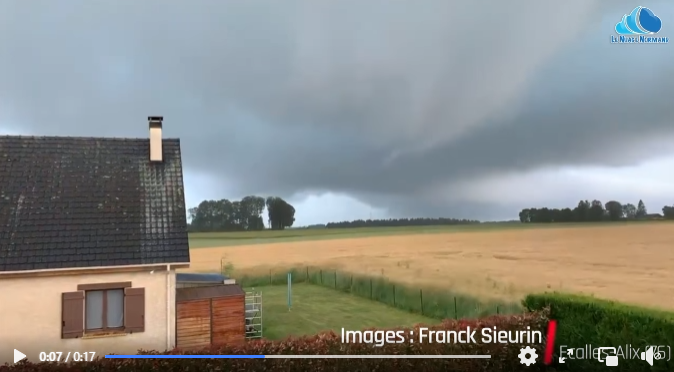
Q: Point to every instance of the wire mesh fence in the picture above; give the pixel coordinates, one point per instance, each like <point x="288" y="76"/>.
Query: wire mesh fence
<point x="433" y="303"/>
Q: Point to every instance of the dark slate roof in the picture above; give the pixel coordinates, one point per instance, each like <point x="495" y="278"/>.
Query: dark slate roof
<point x="214" y="291"/>
<point x="69" y="202"/>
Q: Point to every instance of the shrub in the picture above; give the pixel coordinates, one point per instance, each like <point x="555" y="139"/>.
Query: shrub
<point x="586" y="320"/>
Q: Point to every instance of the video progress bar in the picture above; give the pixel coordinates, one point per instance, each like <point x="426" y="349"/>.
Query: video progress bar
<point x="298" y="356"/>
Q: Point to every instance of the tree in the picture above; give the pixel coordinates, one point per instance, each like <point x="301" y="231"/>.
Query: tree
<point x="581" y="212"/>
<point x="596" y="211"/>
<point x="236" y="216"/>
<point x="250" y="212"/>
<point x="287" y="215"/>
<point x="668" y="212"/>
<point x="524" y="216"/>
<point x="281" y="213"/>
<point x="615" y="210"/>
<point x="629" y="211"/>
<point x="641" y="209"/>
<point x="225" y="215"/>
<point x="203" y="216"/>
<point x="566" y="215"/>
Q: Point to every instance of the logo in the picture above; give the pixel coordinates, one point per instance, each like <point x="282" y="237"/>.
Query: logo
<point x="641" y="26"/>
<point x="528" y="356"/>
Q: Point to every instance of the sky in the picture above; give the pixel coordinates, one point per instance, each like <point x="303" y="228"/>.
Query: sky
<point x="360" y="109"/>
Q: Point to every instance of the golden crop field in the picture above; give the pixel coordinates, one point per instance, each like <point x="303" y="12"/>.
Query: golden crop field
<point x="627" y="262"/>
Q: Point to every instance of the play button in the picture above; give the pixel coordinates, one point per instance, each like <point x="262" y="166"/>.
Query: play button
<point x="18" y="355"/>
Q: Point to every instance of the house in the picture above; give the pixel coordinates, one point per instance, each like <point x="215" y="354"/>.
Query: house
<point x="92" y="231"/>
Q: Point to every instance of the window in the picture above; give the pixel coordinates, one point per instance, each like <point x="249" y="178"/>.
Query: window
<point x="104" y="309"/>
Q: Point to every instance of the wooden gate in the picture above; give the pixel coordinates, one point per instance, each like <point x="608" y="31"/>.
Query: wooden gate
<point x="210" y="316"/>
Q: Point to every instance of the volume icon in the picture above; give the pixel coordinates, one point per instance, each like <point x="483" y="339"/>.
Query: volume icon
<point x="648" y="356"/>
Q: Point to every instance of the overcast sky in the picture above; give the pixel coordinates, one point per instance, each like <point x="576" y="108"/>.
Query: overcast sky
<point x="352" y="109"/>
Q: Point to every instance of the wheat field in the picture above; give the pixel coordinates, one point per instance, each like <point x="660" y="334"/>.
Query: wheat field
<point x="628" y="262"/>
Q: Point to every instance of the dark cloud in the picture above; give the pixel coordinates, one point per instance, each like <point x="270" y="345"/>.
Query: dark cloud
<point x="381" y="100"/>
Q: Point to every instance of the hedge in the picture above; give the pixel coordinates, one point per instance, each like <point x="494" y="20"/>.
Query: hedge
<point x="584" y="320"/>
<point x="504" y="357"/>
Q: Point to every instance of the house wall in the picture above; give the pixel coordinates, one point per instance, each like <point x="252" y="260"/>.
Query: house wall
<point x="30" y="315"/>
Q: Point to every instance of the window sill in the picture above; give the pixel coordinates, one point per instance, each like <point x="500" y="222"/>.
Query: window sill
<point x="104" y="334"/>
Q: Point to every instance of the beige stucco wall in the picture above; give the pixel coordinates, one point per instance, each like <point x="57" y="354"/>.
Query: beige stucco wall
<point x="30" y="315"/>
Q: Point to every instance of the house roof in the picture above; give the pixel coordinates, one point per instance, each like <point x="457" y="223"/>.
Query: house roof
<point x="73" y="202"/>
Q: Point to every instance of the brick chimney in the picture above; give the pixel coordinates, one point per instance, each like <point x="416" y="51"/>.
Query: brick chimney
<point x="155" y="138"/>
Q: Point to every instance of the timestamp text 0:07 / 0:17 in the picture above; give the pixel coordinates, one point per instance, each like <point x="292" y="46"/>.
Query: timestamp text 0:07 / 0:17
<point x="58" y="356"/>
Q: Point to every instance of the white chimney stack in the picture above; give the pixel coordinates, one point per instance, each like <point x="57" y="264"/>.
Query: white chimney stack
<point x="155" y="137"/>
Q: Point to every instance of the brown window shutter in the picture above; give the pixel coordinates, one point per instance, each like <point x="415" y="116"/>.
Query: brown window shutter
<point x="72" y="314"/>
<point x="134" y="310"/>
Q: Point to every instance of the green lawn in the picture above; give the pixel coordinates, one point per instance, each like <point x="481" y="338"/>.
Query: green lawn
<point x="316" y="309"/>
<point x="219" y="239"/>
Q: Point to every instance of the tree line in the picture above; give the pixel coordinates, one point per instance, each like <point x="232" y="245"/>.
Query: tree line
<point x="247" y="215"/>
<point x="241" y="215"/>
<point x="594" y="211"/>
<point x="397" y="222"/>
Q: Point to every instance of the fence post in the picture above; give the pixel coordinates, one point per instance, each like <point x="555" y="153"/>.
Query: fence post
<point x="456" y="315"/>
<point x="335" y="279"/>
<point x="307" y="273"/>
<point x="351" y="286"/>
<point x="370" y="288"/>
<point x="321" y="276"/>
<point x="497" y="313"/>
<point x="269" y="276"/>
<point x="421" y="300"/>
<point x="290" y="284"/>
<point x="394" y="294"/>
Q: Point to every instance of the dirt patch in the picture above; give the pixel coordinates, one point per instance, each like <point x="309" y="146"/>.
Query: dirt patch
<point x="633" y="263"/>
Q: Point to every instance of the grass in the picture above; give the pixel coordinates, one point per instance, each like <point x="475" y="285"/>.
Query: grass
<point x="430" y="302"/>
<point x="223" y="239"/>
<point x="315" y="309"/>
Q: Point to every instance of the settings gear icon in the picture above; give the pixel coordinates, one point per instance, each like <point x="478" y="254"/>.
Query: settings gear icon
<point x="528" y="356"/>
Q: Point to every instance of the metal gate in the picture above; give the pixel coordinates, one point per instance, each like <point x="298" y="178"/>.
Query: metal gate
<point x="253" y="315"/>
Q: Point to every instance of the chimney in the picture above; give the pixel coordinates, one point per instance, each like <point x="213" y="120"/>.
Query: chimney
<point x="155" y="137"/>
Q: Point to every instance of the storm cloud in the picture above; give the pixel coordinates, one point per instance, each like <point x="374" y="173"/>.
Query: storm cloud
<point x="398" y="104"/>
